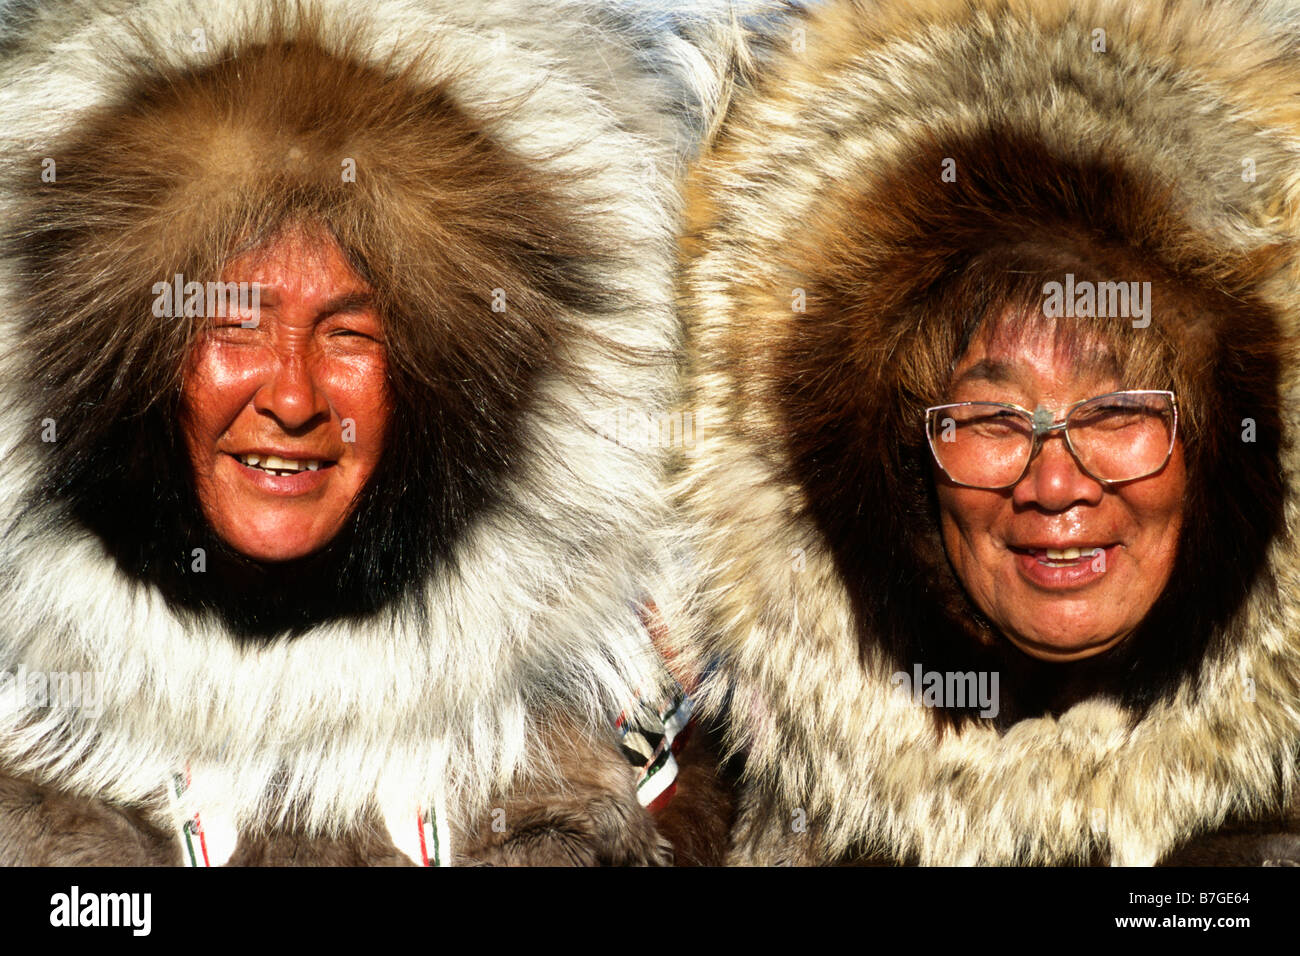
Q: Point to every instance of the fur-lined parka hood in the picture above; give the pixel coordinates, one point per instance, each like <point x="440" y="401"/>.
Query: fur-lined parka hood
<point x="505" y="176"/>
<point x="884" y="162"/>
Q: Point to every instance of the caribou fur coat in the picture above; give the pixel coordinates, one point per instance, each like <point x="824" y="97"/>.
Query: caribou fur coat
<point x="504" y="174"/>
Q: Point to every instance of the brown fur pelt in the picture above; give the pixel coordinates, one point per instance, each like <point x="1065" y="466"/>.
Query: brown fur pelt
<point x="42" y="826"/>
<point x="554" y="821"/>
<point x="582" y="812"/>
<point x="697" y="820"/>
<point x="830" y="270"/>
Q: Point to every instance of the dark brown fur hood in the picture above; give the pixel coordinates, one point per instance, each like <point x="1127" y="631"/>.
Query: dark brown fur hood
<point x="888" y="168"/>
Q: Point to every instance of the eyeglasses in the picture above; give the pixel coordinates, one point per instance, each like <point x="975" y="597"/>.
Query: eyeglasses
<point x="1116" y="437"/>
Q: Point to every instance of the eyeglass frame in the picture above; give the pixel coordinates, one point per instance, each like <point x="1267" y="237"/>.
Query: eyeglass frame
<point x="1042" y="428"/>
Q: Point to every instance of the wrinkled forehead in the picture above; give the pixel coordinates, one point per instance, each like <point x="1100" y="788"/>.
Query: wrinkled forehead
<point x="303" y="245"/>
<point x="1021" y="348"/>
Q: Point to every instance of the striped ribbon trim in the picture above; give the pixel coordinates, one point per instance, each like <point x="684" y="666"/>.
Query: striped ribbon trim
<point x="422" y="837"/>
<point x="194" y="844"/>
<point x="431" y="841"/>
<point x="651" y="734"/>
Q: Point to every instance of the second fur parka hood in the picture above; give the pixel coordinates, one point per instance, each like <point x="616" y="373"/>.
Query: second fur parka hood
<point x="884" y="158"/>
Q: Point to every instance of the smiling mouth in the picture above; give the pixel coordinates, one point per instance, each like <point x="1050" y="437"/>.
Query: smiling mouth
<point x="1061" y="557"/>
<point x="279" y="466"/>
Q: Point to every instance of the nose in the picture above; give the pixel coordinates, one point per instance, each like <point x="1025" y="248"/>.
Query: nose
<point x="1055" y="482"/>
<point x="292" y="395"/>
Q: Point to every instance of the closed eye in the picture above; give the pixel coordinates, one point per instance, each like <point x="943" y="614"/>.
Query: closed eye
<point x="997" y="424"/>
<point x="352" y="333"/>
<point x="231" y="327"/>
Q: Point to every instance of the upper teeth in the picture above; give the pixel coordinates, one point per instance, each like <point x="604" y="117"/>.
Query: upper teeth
<point x="276" y="463"/>
<point x="1069" y="554"/>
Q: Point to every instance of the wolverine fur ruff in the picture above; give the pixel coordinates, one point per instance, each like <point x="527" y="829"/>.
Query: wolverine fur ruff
<point x="820" y="568"/>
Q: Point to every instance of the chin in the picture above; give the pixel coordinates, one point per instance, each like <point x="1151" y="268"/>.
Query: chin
<point x="274" y="554"/>
<point x="274" y="541"/>
<point x="1062" y="646"/>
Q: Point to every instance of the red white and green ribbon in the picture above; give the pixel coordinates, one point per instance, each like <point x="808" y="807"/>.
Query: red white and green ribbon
<point x="194" y="848"/>
<point x="420" y="833"/>
<point x="206" y="839"/>
<point x="651" y="735"/>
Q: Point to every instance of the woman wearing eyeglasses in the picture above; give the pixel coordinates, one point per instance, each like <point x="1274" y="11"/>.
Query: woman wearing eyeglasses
<point x="992" y="315"/>
<point x="1059" y="490"/>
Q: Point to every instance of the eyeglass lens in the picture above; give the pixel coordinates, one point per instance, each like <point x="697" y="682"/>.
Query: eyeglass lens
<point x="1117" y="437"/>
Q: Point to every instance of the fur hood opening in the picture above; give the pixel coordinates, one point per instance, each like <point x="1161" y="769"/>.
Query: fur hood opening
<point x="889" y="171"/>
<point x="490" y="574"/>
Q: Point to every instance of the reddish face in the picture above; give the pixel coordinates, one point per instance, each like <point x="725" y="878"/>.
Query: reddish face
<point x="1058" y="607"/>
<point x="284" y="423"/>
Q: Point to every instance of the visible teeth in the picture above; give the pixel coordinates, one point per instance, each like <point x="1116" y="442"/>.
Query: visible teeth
<point x="1069" y="554"/>
<point x="276" y="463"/>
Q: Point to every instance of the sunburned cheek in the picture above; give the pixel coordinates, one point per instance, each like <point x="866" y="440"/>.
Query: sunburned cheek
<point x="225" y="370"/>
<point x="216" y="384"/>
<point x="365" y="380"/>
